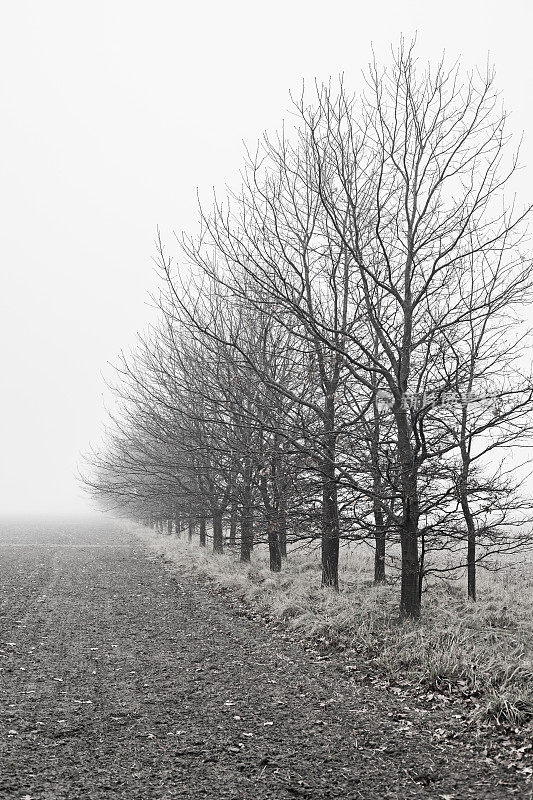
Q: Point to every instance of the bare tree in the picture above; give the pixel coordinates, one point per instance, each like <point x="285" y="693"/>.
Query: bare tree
<point x="422" y="165"/>
<point x="371" y="256"/>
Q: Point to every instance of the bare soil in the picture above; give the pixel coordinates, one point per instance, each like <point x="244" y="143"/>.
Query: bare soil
<point x="121" y="679"/>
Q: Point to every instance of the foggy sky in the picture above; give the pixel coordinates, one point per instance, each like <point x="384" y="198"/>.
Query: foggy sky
<point x="112" y="114"/>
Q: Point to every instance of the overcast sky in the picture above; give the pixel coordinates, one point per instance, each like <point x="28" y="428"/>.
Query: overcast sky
<point x="112" y="114"/>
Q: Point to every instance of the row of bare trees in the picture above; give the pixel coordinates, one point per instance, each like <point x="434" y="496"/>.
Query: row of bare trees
<point x="342" y="351"/>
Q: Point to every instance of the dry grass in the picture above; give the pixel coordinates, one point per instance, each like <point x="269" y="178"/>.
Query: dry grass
<point x="481" y="650"/>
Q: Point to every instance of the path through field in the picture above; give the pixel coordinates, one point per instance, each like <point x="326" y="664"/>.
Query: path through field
<point x="121" y="680"/>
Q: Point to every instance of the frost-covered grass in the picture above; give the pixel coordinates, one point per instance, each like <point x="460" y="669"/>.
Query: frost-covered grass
<point x="481" y="650"/>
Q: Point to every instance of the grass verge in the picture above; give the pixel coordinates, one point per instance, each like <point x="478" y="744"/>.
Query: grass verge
<point x="481" y="652"/>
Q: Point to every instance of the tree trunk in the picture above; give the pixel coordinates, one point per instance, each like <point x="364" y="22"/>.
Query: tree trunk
<point x="202" y="532"/>
<point x="283" y="533"/>
<point x="410" y="597"/>
<point x="379" y="550"/>
<point x="252" y="523"/>
<point x="177" y="527"/>
<point x="246" y="535"/>
<point x="471" y="535"/>
<point x="421" y="562"/>
<point x="233" y="525"/>
<point x="274" y="549"/>
<point x="191" y="529"/>
<point x="379" y="517"/>
<point x="218" y="532"/>
<point x="410" y="593"/>
<point x="330" y="513"/>
<point x="169" y="527"/>
<point x="330" y="536"/>
<point x="272" y="522"/>
<point x="471" y="561"/>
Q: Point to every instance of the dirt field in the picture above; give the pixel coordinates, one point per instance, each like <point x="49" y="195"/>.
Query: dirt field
<point x="120" y="679"/>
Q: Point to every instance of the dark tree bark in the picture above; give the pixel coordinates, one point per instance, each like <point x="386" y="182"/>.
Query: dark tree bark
<point x="410" y="593"/>
<point x="218" y="532"/>
<point x="410" y="590"/>
<point x="379" y="516"/>
<point x="380" y="542"/>
<point x="272" y="523"/>
<point x="283" y="532"/>
<point x="471" y="560"/>
<point x="462" y="490"/>
<point x="246" y="534"/>
<point x="274" y="549"/>
<point x="471" y="532"/>
<point x="202" y="532"/>
<point x="233" y="525"/>
<point x="330" y="513"/>
<point x="421" y="565"/>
